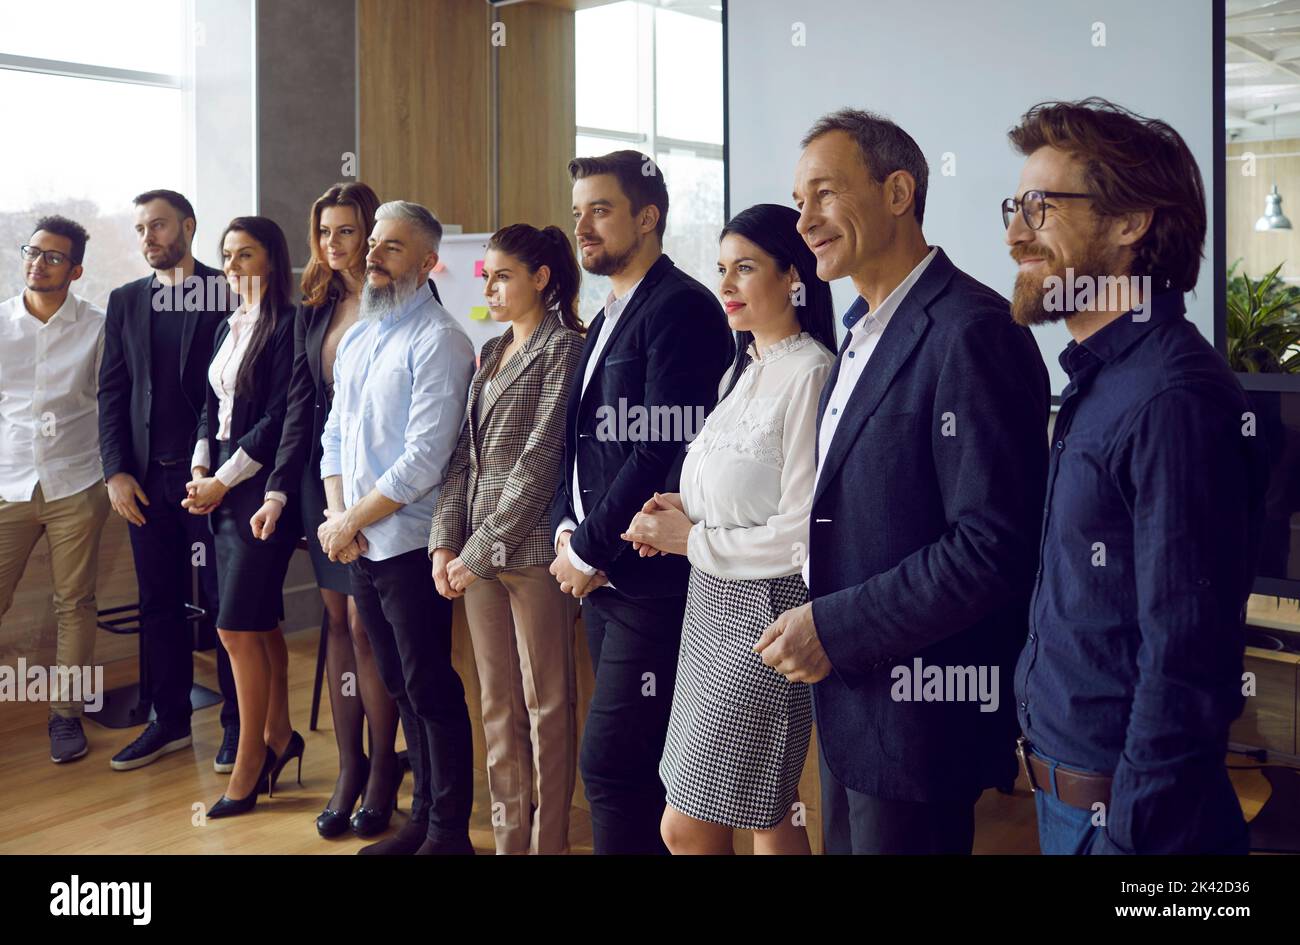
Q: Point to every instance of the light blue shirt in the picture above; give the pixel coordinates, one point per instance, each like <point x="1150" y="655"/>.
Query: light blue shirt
<point x="400" y="386"/>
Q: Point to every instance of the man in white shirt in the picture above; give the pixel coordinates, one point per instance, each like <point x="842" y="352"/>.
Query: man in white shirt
<point x="51" y="480"/>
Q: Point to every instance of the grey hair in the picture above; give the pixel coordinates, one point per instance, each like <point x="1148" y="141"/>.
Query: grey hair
<point x="420" y="217"/>
<point x="885" y="148"/>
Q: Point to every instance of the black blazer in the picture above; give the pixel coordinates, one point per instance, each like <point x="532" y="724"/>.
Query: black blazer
<point x="924" y="540"/>
<point x="668" y="349"/>
<point x="125" y="391"/>
<point x="255" y="425"/>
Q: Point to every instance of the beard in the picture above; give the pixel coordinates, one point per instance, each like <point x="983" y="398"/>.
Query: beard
<point x="51" y="288"/>
<point x="608" y="264"/>
<point x="379" y="302"/>
<point x="1095" y="262"/>
<point x="173" y="253"/>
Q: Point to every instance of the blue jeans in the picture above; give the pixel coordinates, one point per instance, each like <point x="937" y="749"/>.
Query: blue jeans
<point x="1064" y="830"/>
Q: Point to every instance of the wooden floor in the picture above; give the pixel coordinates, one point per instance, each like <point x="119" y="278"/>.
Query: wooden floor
<point x="86" y="807"/>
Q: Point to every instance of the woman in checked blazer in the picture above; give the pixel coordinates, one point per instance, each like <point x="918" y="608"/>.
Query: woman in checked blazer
<point x="490" y="539"/>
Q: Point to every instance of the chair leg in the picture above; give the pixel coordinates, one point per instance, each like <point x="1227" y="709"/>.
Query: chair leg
<point x="320" y="667"/>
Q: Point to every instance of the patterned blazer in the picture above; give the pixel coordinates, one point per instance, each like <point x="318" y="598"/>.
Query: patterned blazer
<point x="493" y="506"/>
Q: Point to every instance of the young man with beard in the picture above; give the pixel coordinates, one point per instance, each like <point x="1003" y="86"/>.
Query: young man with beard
<point x="152" y="383"/>
<point x="51" y="480"/>
<point x="1132" y="670"/>
<point x="660" y="345"/>
<point x="926" y="507"/>
<point x="401" y="377"/>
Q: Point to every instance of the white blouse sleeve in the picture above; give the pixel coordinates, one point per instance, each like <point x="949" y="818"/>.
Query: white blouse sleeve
<point x="780" y="546"/>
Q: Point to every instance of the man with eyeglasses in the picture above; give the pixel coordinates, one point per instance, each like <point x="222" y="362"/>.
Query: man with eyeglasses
<point x="1132" y="670"/>
<point x="51" y="482"/>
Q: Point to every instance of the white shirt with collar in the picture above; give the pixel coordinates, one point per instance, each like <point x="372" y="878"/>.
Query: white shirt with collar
<point x="49" y="411"/>
<point x="614" y="308"/>
<point x="222" y="373"/>
<point x="864" y="336"/>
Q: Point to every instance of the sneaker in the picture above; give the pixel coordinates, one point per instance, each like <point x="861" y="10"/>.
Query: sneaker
<point x="153" y="743"/>
<point x="67" y="740"/>
<point x="225" y="760"/>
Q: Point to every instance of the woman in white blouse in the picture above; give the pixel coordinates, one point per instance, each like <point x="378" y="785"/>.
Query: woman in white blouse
<point x="239" y="433"/>
<point x="738" y="732"/>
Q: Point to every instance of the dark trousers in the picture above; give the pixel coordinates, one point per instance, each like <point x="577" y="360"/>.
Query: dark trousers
<point x="163" y="549"/>
<point x="409" y="625"/>
<point x="860" y="823"/>
<point x="633" y="645"/>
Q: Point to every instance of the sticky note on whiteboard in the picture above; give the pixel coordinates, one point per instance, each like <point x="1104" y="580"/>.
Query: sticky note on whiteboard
<point x="478" y="270"/>
<point x="479" y="313"/>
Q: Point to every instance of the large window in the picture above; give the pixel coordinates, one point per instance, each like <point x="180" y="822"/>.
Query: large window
<point x="95" y="112"/>
<point x="650" y="78"/>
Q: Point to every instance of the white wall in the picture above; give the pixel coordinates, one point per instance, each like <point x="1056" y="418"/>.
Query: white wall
<point x="957" y="75"/>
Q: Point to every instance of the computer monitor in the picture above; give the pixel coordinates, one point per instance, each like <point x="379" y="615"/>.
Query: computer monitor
<point x="1275" y="400"/>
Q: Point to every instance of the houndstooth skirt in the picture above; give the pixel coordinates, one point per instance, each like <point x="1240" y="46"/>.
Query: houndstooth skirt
<point x="738" y="732"/>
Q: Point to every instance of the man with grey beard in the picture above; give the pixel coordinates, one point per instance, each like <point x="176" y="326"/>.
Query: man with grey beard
<point x="401" y="378"/>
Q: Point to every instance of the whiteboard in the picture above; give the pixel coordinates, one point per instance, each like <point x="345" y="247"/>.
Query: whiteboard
<point x="461" y="288"/>
<point x="957" y="76"/>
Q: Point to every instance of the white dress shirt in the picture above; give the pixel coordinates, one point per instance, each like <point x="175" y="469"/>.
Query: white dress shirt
<point x="747" y="480"/>
<point x="49" y="412"/>
<point x="222" y="372"/>
<point x="863" y="338"/>
<point x="614" y="307"/>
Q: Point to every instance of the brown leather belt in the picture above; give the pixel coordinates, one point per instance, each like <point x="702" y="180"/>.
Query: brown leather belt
<point x="1081" y="789"/>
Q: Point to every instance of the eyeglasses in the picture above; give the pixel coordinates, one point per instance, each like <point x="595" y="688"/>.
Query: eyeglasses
<point x="51" y="257"/>
<point x="1033" y="206"/>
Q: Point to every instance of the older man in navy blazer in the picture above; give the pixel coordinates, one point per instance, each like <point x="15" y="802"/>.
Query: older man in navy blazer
<point x="926" y="511"/>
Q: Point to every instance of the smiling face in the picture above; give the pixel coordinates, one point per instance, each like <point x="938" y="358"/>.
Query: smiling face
<point x="510" y="289"/>
<point x="1072" y="236"/>
<point x="342" y="241"/>
<point x="247" y="265"/>
<point x="844" y="216"/>
<point x="609" y="233"/>
<point x="39" y="275"/>
<point x="755" y="293"/>
<point x="163" y="236"/>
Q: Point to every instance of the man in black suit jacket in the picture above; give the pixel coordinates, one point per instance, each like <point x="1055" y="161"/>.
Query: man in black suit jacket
<point x="649" y="375"/>
<point x="157" y="345"/>
<point x="926" y="510"/>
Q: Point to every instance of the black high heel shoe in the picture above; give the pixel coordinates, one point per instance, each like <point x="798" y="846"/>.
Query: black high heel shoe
<point x="293" y="750"/>
<point x="334" y="823"/>
<point x="369" y="821"/>
<point x="228" y="807"/>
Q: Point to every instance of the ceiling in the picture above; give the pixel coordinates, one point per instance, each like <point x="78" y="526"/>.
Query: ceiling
<point x="1263" y="68"/>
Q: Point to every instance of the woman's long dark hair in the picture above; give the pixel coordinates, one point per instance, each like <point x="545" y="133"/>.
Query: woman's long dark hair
<point x="277" y="299"/>
<point x="548" y="247"/>
<point x="771" y="227"/>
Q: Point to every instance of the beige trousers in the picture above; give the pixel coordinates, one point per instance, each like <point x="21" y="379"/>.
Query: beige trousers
<point x="521" y="625"/>
<point x="72" y="526"/>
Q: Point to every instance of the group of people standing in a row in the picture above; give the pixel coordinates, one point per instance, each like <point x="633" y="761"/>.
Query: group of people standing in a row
<point x="840" y="522"/>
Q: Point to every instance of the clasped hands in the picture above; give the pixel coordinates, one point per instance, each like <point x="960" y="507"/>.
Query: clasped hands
<point x="340" y="539"/>
<point x="203" y="493"/>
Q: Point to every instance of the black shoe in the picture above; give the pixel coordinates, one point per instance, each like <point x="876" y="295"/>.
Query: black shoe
<point x="153" y="743"/>
<point x="403" y="843"/>
<point x="460" y="846"/>
<point x="334" y="822"/>
<point x="229" y="807"/>
<point x="225" y="760"/>
<point x="369" y="821"/>
<point x="293" y="750"/>
<point x="67" y="739"/>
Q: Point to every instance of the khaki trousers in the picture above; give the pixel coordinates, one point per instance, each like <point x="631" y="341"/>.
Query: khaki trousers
<point x="72" y="526"/>
<point x="521" y="625"/>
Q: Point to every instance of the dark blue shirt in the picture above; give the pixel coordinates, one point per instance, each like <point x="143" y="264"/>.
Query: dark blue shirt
<point x="1133" y="663"/>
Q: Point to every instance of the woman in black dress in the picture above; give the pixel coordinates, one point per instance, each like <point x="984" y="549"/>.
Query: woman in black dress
<point x="238" y="436"/>
<point x="341" y="221"/>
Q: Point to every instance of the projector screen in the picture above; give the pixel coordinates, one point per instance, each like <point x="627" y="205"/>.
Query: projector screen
<point x="957" y="75"/>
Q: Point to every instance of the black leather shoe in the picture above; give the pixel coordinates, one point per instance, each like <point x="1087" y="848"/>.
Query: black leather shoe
<point x="369" y="821"/>
<point x="152" y="744"/>
<point x="229" y="807"/>
<point x="334" y="823"/>
<point x="224" y="763"/>
<point x="293" y="750"/>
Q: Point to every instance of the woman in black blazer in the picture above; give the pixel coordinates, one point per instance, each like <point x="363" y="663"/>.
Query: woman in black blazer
<point x="341" y="221"/>
<point x="238" y="436"/>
